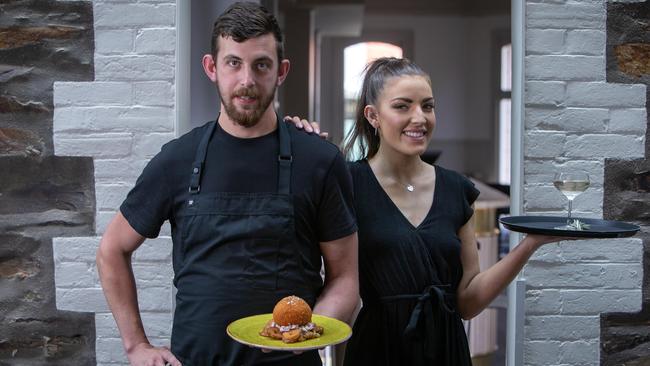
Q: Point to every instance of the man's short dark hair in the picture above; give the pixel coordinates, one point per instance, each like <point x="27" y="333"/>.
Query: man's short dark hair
<point x="243" y="21"/>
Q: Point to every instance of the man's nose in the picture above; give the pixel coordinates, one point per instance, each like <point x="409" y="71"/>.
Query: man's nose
<point x="247" y="77"/>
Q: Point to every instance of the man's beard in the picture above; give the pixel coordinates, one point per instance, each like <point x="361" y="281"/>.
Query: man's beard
<point x="251" y="114"/>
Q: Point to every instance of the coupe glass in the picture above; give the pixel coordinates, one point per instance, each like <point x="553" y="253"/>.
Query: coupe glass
<point x="571" y="184"/>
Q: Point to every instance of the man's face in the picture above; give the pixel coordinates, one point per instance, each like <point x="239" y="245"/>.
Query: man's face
<point x="247" y="77"/>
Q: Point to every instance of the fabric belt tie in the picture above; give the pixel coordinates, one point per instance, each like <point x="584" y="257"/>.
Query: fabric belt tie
<point x="432" y="303"/>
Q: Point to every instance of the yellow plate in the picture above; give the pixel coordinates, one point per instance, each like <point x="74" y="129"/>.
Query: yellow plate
<point x="247" y="331"/>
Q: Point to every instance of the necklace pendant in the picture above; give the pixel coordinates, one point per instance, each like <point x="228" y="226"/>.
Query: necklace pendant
<point x="410" y="188"/>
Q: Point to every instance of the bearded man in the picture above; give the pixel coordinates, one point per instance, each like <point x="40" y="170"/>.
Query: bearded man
<point x="255" y="206"/>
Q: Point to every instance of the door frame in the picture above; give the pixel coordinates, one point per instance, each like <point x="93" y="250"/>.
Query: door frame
<point x="516" y="289"/>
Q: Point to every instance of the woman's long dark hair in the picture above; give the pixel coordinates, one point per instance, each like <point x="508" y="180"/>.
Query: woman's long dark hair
<point x="376" y="74"/>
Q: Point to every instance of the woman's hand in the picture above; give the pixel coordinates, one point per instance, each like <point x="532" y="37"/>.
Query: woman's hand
<point x="311" y="127"/>
<point x="539" y="240"/>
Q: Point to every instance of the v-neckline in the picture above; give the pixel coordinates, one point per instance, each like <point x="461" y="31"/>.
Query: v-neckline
<point x="395" y="207"/>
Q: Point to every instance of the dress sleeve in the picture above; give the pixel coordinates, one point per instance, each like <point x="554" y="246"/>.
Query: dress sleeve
<point x="470" y="194"/>
<point x="148" y="204"/>
<point x="336" y="217"/>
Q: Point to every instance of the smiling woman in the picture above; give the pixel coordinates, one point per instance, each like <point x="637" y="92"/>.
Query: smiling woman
<point x="418" y="256"/>
<point x="413" y="219"/>
<point x="404" y="117"/>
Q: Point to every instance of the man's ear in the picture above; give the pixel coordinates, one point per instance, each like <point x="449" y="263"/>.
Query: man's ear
<point x="283" y="70"/>
<point x="370" y="112"/>
<point x="210" y="67"/>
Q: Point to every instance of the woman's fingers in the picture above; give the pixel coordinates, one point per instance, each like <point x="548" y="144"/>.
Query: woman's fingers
<point x="304" y="124"/>
<point x="314" y="125"/>
<point x="297" y="122"/>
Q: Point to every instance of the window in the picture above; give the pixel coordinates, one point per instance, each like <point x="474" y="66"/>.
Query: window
<point x="355" y="59"/>
<point x="503" y="113"/>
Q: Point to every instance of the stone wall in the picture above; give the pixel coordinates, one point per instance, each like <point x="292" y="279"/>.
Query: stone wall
<point x="625" y="338"/>
<point x="41" y="196"/>
<point x="577" y="118"/>
<point x="120" y="119"/>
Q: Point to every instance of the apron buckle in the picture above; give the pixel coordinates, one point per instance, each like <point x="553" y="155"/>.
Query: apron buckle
<point x="288" y="158"/>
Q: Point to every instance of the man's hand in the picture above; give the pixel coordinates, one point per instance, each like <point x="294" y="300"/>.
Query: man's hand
<point x="266" y="350"/>
<point x="306" y="125"/>
<point x="144" y="354"/>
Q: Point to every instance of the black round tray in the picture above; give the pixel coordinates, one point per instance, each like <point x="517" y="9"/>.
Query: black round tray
<point x="545" y="225"/>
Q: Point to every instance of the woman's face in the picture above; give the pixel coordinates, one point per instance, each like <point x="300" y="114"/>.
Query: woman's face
<point x="404" y="114"/>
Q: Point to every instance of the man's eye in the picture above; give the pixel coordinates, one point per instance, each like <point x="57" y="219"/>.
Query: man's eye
<point x="262" y="66"/>
<point x="233" y="63"/>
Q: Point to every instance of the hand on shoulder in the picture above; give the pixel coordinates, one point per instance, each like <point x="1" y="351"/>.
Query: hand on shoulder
<point x="303" y="124"/>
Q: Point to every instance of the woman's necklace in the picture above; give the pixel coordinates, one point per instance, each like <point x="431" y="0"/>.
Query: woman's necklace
<point x="409" y="187"/>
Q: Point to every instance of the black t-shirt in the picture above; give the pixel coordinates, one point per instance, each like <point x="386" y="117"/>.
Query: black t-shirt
<point x="321" y="185"/>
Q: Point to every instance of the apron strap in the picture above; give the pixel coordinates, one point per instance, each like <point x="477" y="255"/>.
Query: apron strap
<point x="199" y="159"/>
<point x="284" y="159"/>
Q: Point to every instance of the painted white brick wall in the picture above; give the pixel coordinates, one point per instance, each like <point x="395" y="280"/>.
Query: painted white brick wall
<point x="574" y="120"/>
<point x="121" y="120"/>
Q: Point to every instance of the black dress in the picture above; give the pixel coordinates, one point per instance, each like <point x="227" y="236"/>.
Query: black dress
<point x="409" y="275"/>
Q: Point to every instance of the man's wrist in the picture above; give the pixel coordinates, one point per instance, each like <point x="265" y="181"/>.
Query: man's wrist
<point x="130" y="346"/>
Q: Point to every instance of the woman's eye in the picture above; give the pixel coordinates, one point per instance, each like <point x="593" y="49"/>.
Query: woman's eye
<point x="401" y="107"/>
<point x="428" y="107"/>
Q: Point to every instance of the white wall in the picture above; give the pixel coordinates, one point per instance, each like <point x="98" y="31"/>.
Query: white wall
<point x="457" y="52"/>
<point x="574" y="120"/>
<point x="121" y="119"/>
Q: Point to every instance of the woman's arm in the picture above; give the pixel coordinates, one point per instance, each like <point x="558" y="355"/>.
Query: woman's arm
<point x="478" y="289"/>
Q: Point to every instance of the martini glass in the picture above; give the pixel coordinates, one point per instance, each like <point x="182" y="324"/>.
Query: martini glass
<point x="571" y="184"/>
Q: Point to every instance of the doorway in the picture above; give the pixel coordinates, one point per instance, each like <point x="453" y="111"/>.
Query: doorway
<point x="338" y="94"/>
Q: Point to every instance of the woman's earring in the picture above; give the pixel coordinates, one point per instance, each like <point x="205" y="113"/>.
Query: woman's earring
<point x="375" y="131"/>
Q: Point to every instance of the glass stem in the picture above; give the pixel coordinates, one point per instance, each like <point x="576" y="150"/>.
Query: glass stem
<point x="569" y="218"/>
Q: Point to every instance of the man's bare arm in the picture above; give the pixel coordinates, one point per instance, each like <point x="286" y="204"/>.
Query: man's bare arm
<point x="116" y="274"/>
<point x="340" y="295"/>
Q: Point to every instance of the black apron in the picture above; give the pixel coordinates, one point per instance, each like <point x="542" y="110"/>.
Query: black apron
<point x="235" y="255"/>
